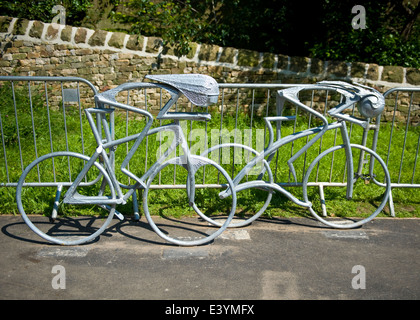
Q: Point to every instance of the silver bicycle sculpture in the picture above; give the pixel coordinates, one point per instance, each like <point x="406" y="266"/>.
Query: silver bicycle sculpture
<point x="370" y="104"/>
<point x="96" y="182"/>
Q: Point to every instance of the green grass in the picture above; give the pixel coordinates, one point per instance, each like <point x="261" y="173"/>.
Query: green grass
<point x="406" y="200"/>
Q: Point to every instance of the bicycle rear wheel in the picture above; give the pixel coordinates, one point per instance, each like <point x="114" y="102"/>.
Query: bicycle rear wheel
<point x="371" y="187"/>
<point x="172" y="192"/>
<point x="40" y="195"/>
<point x="251" y="201"/>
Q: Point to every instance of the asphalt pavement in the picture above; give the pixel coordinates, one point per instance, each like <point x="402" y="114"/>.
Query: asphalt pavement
<point x="272" y="259"/>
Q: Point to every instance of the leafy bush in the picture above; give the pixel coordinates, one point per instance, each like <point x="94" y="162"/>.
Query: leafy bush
<point x="318" y="28"/>
<point x="391" y="36"/>
<point x="76" y="10"/>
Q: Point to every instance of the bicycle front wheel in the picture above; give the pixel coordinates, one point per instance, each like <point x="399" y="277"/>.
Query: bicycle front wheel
<point x="41" y="191"/>
<point x="175" y="189"/>
<point x="347" y="204"/>
<point x="251" y="201"/>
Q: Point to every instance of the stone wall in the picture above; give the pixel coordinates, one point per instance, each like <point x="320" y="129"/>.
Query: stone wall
<point x="111" y="58"/>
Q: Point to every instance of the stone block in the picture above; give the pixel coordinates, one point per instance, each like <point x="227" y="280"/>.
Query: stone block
<point x="19" y="56"/>
<point x="127" y="68"/>
<point x="117" y="40"/>
<point x="33" y="55"/>
<point x="228" y="55"/>
<point x="282" y="62"/>
<point x="393" y="74"/>
<point x="64" y="47"/>
<point x="5" y="23"/>
<point x="20" y="26"/>
<point x="317" y="66"/>
<point x="66" y="33"/>
<point x="80" y="36"/>
<point x="248" y="58"/>
<point x="193" y="50"/>
<point x="169" y="49"/>
<point x="18" y="43"/>
<point x="36" y="30"/>
<point x="61" y="53"/>
<point x="373" y="72"/>
<point x="83" y="51"/>
<point x="98" y="38"/>
<point x="299" y="64"/>
<point x="52" y="32"/>
<point x="337" y="68"/>
<point x="42" y="61"/>
<point x="123" y="55"/>
<point x="4" y="63"/>
<point x="68" y="72"/>
<point x="122" y="62"/>
<point x="413" y="76"/>
<point x="46" y="51"/>
<point x="153" y="44"/>
<point x="7" y="57"/>
<point x="172" y="50"/>
<point x="268" y="60"/>
<point x="90" y="57"/>
<point x="135" y="42"/>
<point x="25" y="49"/>
<point x="358" y="69"/>
<point x="110" y="76"/>
<point x="208" y="52"/>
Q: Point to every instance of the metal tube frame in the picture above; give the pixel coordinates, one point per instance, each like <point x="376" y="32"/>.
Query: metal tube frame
<point x="106" y="105"/>
<point x="273" y="146"/>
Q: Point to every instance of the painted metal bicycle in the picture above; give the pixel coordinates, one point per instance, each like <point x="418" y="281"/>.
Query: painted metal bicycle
<point x="84" y="200"/>
<point x="361" y="165"/>
<point x="82" y="208"/>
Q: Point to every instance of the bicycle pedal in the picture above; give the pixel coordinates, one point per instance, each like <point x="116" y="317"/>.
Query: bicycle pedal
<point x="119" y="215"/>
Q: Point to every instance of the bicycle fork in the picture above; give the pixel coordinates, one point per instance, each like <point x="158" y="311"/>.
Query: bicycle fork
<point x="349" y="160"/>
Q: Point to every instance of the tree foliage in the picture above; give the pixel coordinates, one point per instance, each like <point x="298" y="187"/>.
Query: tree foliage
<point x="315" y="28"/>
<point x="76" y="10"/>
<point x="391" y="37"/>
<point x="174" y="21"/>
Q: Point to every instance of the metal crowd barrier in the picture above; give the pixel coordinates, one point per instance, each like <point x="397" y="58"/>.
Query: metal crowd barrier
<point x="19" y="97"/>
<point x="408" y="151"/>
<point x="67" y="96"/>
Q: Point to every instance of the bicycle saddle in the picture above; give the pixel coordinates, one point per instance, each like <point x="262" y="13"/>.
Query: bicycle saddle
<point x="201" y="90"/>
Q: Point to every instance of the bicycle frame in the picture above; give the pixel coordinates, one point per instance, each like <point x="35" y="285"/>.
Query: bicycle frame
<point x="110" y="143"/>
<point x="273" y="146"/>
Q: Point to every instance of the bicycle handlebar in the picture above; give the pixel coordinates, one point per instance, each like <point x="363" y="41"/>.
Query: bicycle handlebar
<point x="371" y="102"/>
